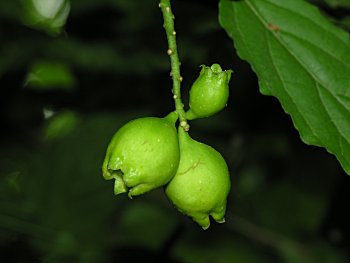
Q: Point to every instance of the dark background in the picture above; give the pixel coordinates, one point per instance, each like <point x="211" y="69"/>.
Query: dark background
<point x="289" y="201"/>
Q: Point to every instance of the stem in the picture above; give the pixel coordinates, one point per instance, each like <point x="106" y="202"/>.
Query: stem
<point x="174" y="60"/>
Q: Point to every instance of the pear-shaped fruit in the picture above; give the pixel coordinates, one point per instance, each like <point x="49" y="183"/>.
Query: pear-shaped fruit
<point x="202" y="182"/>
<point x="142" y="155"/>
<point x="209" y="93"/>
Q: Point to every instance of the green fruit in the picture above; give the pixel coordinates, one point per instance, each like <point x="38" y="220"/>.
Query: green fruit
<point x="202" y="182"/>
<point x="209" y="93"/>
<point x="142" y="155"/>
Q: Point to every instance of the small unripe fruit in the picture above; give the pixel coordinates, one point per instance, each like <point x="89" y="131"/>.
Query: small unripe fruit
<point x="209" y="93"/>
<point x="202" y="182"/>
<point x="142" y="155"/>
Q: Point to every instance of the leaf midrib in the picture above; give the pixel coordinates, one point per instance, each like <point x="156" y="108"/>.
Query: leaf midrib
<point x="283" y="44"/>
<point x="318" y="47"/>
<point x="337" y="109"/>
<point x="286" y="90"/>
<point x="308" y="19"/>
<point x="331" y="120"/>
<point x="317" y="81"/>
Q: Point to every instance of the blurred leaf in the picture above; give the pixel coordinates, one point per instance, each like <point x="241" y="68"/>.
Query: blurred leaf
<point x="303" y="60"/>
<point x="310" y="253"/>
<point x="64" y="203"/>
<point x="345" y="22"/>
<point x="60" y="125"/>
<point x="338" y="3"/>
<point x="251" y="179"/>
<point x="47" y="15"/>
<point x="306" y="208"/>
<point x="12" y="180"/>
<point x="219" y="248"/>
<point x="145" y="224"/>
<point x="13" y="166"/>
<point x="46" y="75"/>
<point x="288" y="250"/>
<point x="104" y="57"/>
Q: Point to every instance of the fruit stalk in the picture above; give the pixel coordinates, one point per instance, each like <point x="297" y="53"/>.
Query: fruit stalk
<point x="168" y="17"/>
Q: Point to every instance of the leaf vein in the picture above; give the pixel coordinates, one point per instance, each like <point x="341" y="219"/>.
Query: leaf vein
<point x="321" y="25"/>
<point x="286" y="90"/>
<point x="318" y="47"/>
<point x="284" y="45"/>
<point x="330" y="118"/>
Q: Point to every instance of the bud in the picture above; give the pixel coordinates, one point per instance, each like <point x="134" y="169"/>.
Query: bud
<point x="209" y="93"/>
<point x="202" y="182"/>
<point x="142" y="155"/>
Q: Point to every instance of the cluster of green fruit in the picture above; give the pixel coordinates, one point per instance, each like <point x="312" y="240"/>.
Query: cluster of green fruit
<point x="147" y="153"/>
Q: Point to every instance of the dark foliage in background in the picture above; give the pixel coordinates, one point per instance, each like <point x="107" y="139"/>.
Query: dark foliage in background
<point x="288" y="202"/>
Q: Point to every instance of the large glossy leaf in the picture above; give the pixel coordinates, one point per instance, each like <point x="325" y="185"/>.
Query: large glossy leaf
<point x="303" y="60"/>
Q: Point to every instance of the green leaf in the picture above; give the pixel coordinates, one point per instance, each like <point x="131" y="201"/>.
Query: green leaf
<point x="48" y="75"/>
<point x="61" y="125"/>
<point x="303" y="60"/>
<point x="49" y="16"/>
